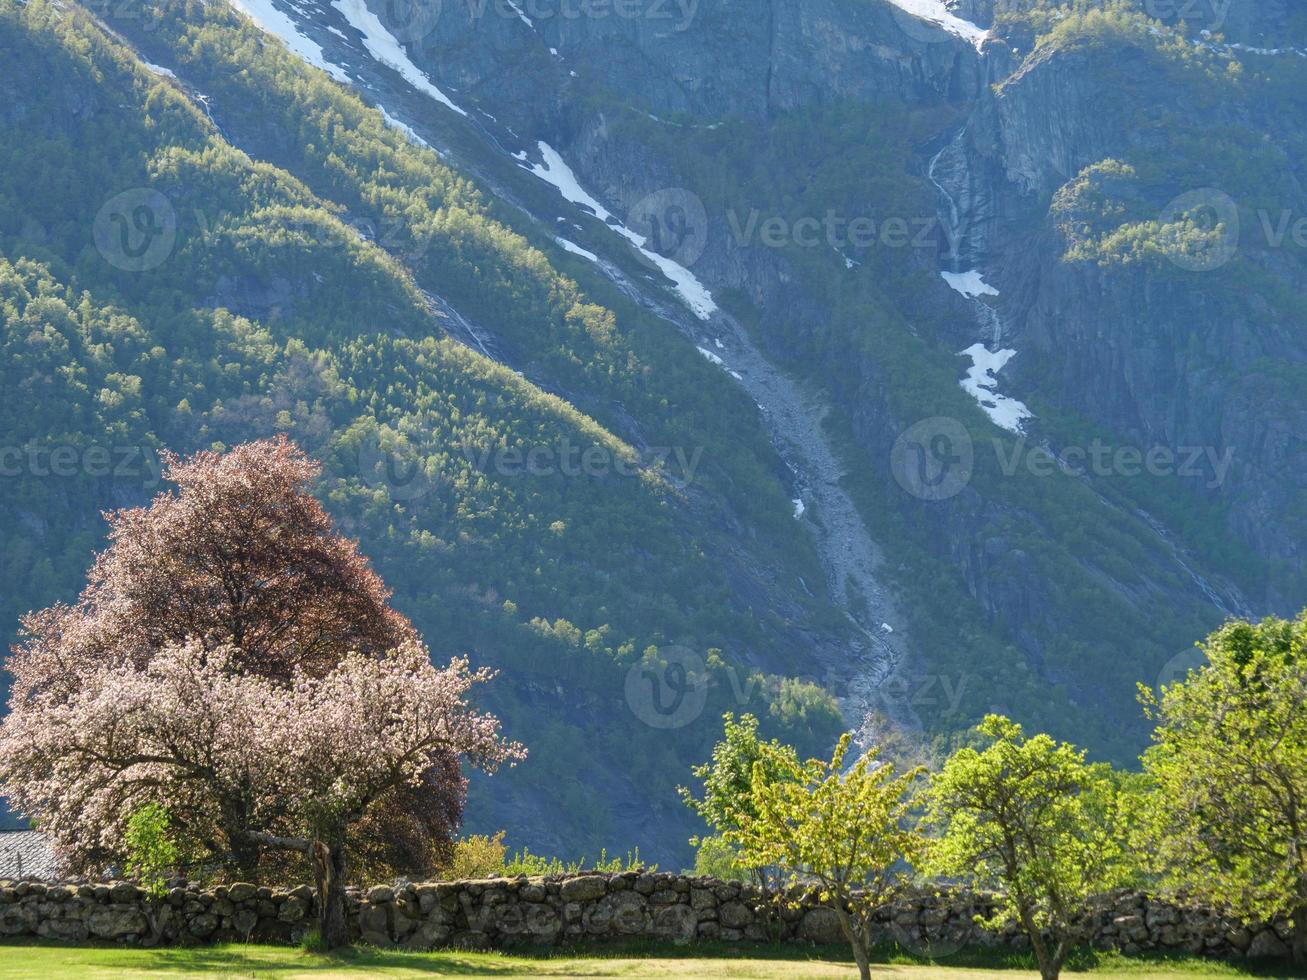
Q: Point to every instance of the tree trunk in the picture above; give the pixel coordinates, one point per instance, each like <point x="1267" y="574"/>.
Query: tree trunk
<point x="1048" y="970"/>
<point x="862" y="956"/>
<point x="1300" y="936"/>
<point x="329" y="870"/>
<point x="245" y="858"/>
<point x="1053" y="968"/>
<point x="858" y="943"/>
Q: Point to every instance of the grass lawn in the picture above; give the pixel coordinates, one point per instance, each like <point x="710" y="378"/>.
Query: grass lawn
<point x="42" y="961"/>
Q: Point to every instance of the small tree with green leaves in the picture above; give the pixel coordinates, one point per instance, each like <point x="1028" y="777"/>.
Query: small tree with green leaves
<point x="152" y="852"/>
<point x="1030" y="817"/>
<point x="1228" y="820"/>
<point x="715" y="858"/>
<point x="727" y="781"/>
<point x="152" y="858"/>
<point x="846" y="832"/>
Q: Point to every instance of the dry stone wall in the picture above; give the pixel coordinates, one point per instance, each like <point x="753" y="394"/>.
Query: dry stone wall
<point x="584" y="909"/>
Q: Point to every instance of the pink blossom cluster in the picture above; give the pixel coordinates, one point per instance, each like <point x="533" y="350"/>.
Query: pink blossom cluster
<point x="304" y="759"/>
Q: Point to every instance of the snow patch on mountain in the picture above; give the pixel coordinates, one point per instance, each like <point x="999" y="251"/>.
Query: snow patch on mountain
<point x="381" y="44"/>
<point x="272" y="21"/>
<point x="522" y="15"/>
<point x="553" y="169"/>
<point x="980" y="384"/>
<point x="576" y="249"/>
<point x="936" y="12"/>
<point x="970" y="284"/>
<point x="404" y="128"/>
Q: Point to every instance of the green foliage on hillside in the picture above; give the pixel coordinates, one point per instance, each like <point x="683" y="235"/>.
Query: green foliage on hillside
<point x="271" y="312"/>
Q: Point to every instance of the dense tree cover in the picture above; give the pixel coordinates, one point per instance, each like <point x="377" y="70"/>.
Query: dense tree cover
<point x="457" y="243"/>
<point x="271" y="313"/>
<point x="291" y="303"/>
<point x="852" y="161"/>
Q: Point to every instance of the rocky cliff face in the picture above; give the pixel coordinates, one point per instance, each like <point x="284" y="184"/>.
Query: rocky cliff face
<point x="1173" y="352"/>
<point x="707" y="58"/>
<point x="995" y="132"/>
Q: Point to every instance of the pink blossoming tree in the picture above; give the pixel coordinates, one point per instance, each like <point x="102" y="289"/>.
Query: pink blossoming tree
<point x="253" y="734"/>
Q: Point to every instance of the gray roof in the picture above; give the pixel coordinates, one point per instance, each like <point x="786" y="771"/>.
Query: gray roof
<point x="26" y="854"/>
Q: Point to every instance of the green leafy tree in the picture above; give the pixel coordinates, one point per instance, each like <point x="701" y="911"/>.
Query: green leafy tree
<point x="153" y="855"/>
<point x="715" y="858"/>
<point x="1228" y="819"/>
<point x="152" y="851"/>
<point x="845" y="831"/>
<point x="728" y="779"/>
<point x="1031" y="817"/>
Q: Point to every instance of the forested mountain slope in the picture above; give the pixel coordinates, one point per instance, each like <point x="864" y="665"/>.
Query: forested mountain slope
<point x="208" y="236"/>
<point x="270" y="311"/>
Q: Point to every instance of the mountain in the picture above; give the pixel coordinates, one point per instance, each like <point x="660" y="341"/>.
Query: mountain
<point x="729" y="253"/>
<point x="272" y="308"/>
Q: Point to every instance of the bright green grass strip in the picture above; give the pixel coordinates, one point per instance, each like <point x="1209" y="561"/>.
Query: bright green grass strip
<point x="41" y="961"/>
